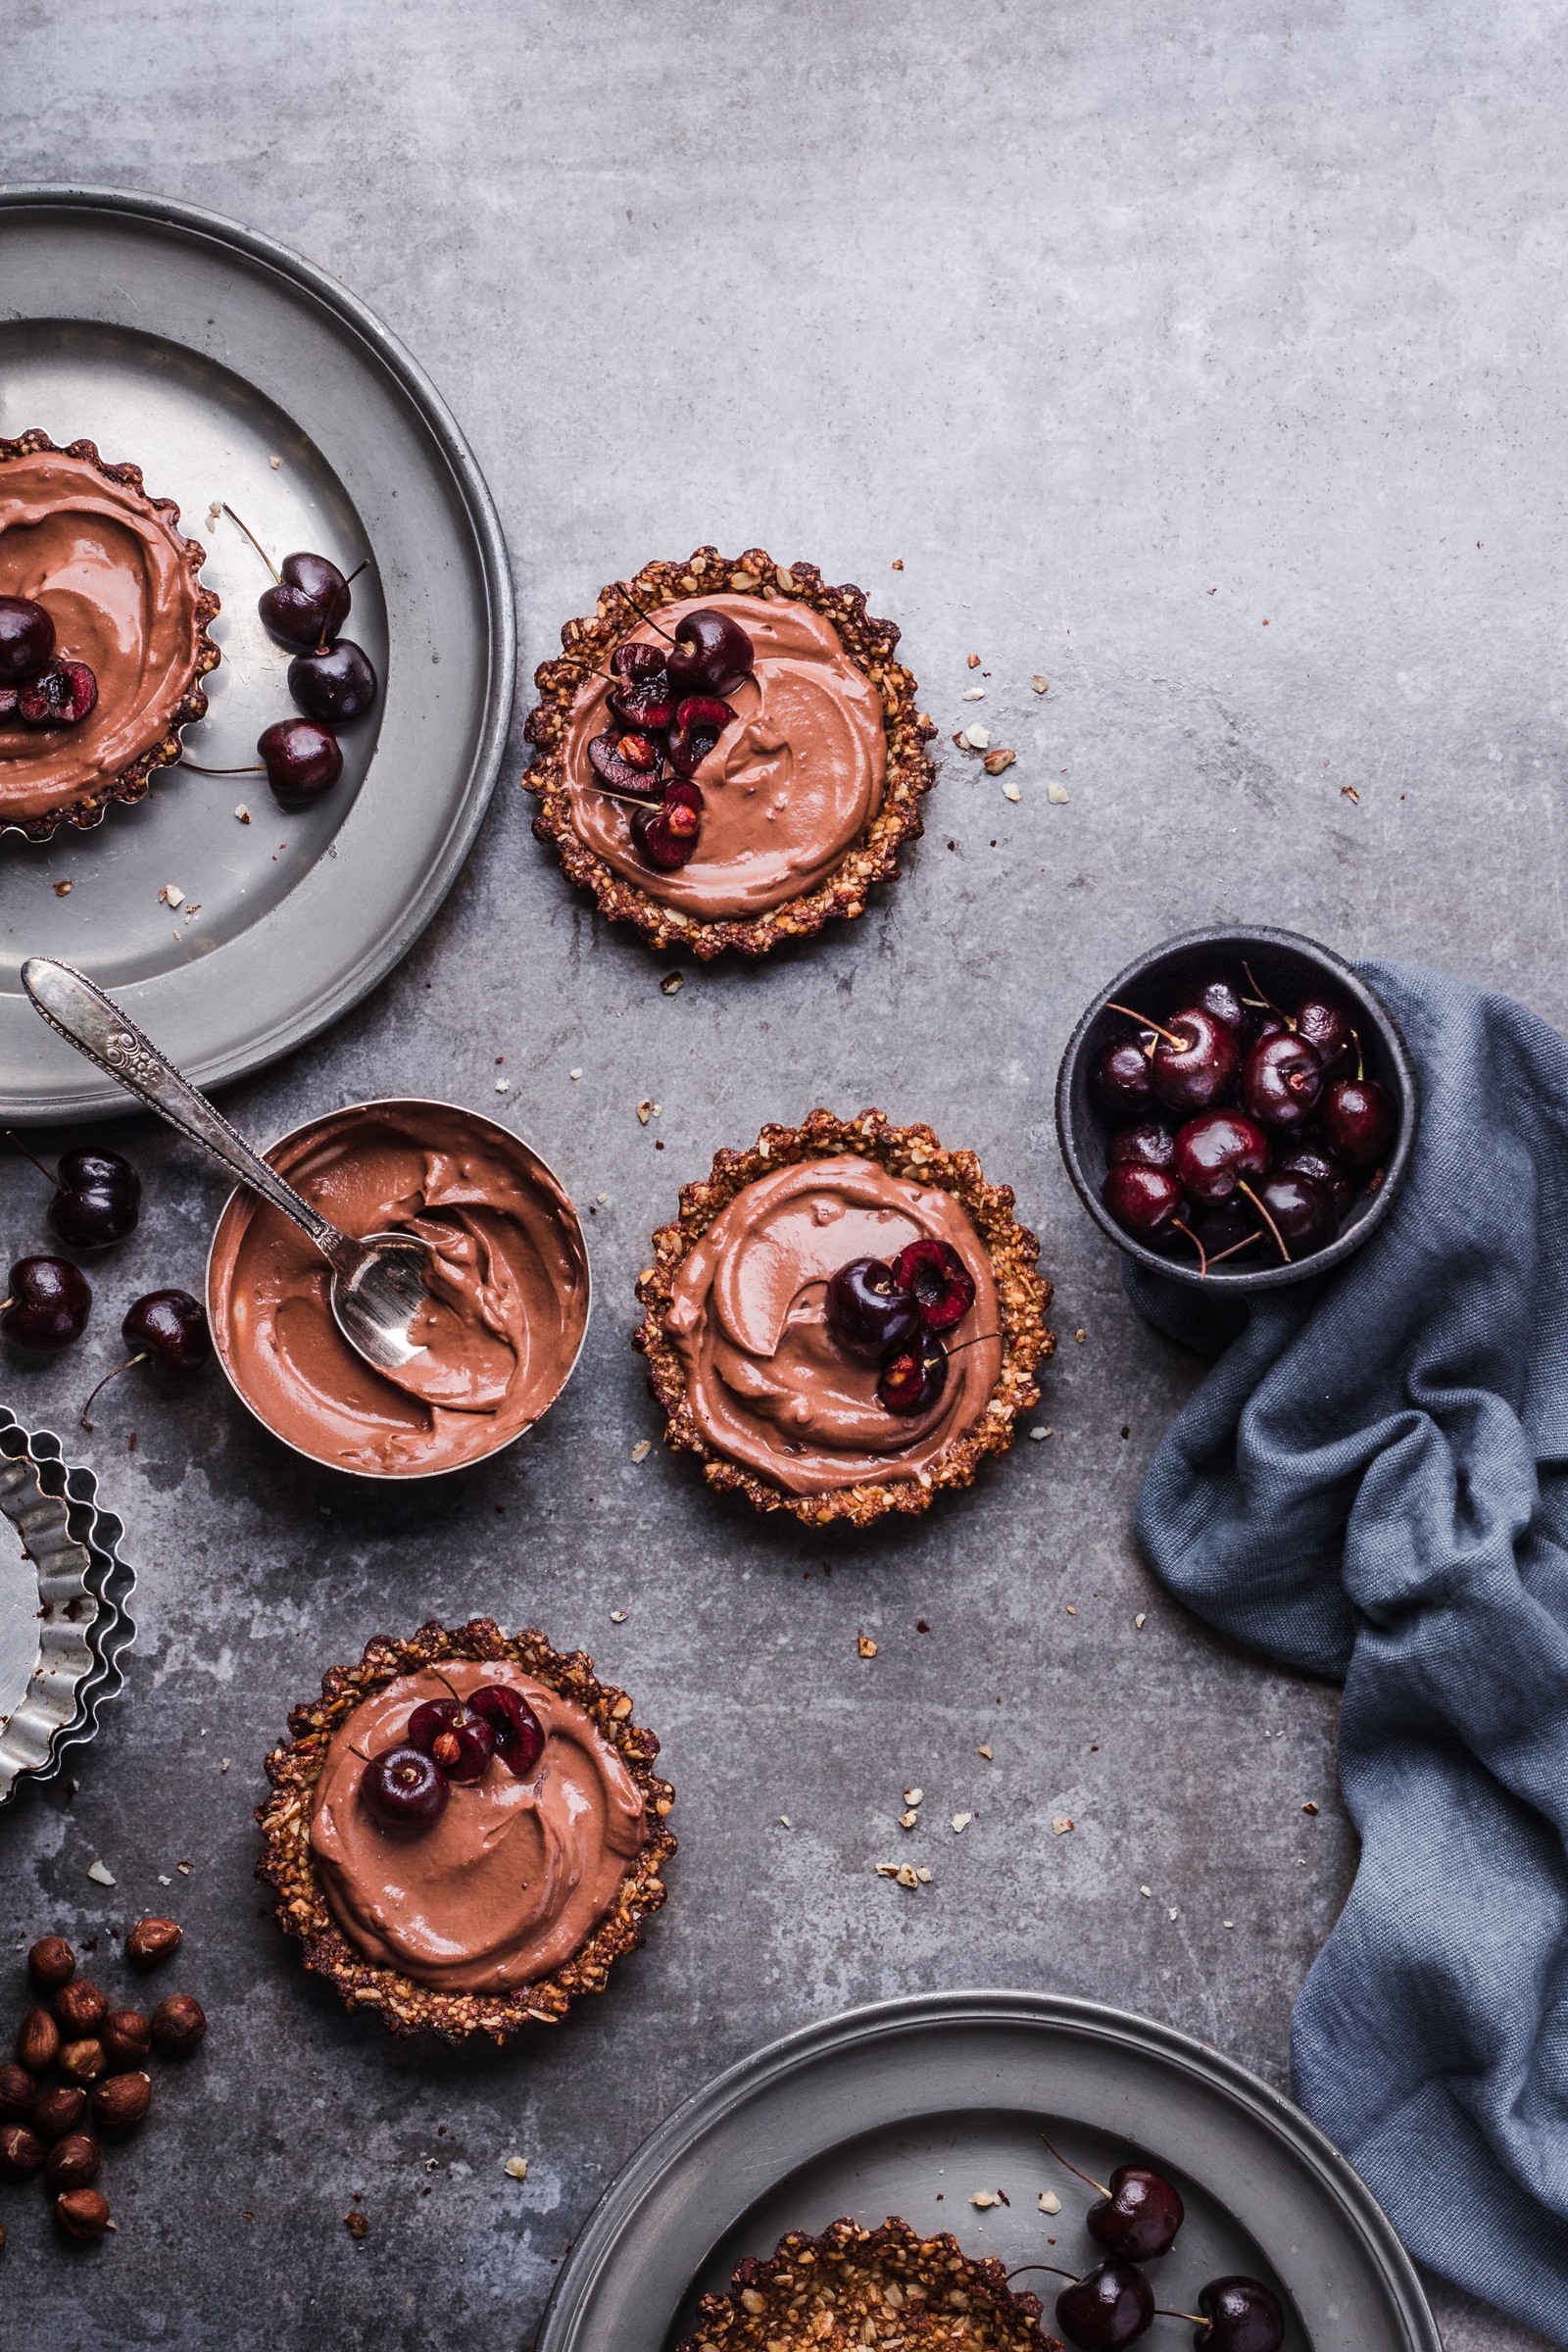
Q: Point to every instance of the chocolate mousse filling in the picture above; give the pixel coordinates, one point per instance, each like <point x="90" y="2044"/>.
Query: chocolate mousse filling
<point x="506" y="1270"/>
<point x="122" y="586"/>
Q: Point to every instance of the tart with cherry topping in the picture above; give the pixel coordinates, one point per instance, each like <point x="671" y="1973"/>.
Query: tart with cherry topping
<point x="465" y="1830"/>
<point x="104" y="637"/>
<point x="844" y="1320"/>
<point x="728" y="753"/>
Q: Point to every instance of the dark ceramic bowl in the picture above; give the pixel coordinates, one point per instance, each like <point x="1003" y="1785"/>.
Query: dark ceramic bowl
<point x="1285" y="968"/>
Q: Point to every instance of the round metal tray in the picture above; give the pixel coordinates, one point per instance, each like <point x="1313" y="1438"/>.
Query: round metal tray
<point x="230" y="369"/>
<point x="915" y="2106"/>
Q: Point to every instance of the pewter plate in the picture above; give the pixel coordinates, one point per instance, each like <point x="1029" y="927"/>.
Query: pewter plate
<point x="65" y="1594"/>
<point x="915" y="2106"/>
<point x="230" y="369"/>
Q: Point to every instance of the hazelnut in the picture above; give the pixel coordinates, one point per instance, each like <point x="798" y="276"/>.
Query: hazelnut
<point x="72" y="2161"/>
<point x="120" y="2103"/>
<point x="82" y="2214"/>
<point x="127" y="2036"/>
<point x="83" y="2061"/>
<point x="57" y="2111"/>
<point x="38" y="2041"/>
<point x="179" y="2023"/>
<point x="151" y="1940"/>
<point x="80" y="2007"/>
<point x="18" y="2090"/>
<point x="21" y="2152"/>
<point x="50" y="1963"/>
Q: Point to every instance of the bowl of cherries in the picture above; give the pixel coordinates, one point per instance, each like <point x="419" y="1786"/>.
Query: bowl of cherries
<point x="1237" y="1110"/>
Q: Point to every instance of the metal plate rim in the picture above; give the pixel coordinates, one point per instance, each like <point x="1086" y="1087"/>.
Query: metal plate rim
<point x="350" y="988"/>
<point x="599" y="2237"/>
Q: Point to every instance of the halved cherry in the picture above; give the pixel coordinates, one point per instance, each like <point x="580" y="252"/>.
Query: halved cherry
<point x="700" y="721"/>
<point x="61" y="695"/>
<point x="518" y="1734"/>
<point x="643" y="696"/>
<point x="618" y="774"/>
<point x="667" y="836"/>
<point x="941" y="1285"/>
<point x="915" y="1377"/>
<point x="457" y="1739"/>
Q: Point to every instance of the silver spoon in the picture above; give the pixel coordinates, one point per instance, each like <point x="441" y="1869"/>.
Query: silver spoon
<point x="377" y="1284"/>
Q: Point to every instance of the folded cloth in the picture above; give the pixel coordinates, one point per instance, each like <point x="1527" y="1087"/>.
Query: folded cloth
<point x="1372" y="1483"/>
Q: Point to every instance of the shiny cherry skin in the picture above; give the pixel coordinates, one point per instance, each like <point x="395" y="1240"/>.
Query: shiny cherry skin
<point x="643" y="695"/>
<point x="47" y="1303"/>
<point x="700" y="721"/>
<point x="711" y="653"/>
<point x="1217" y="1152"/>
<point x="98" y="1198"/>
<point x="667" y="836"/>
<point x="26" y="639"/>
<point x="1302" y="1211"/>
<point x="869" y="1312"/>
<point x="62" y="695"/>
<point x="517" y="1733"/>
<point x="1112" y="2306"/>
<point x="1139" y="2219"/>
<point x="171" y="1327"/>
<point x="1325" y="1167"/>
<point x="1145" y="1143"/>
<point x="1325" y="1027"/>
<point x="1242" y="2315"/>
<point x="1282" y="1079"/>
<point x="310" y="604"/>
<point x="334" y="686"/>
<point x="913" y="1377"/>
<point x="405" y="1789"/>
<point x="1119" y="1078"/>
<point x="1358" y="1120"/>
<point x="1218" y="995"/>
<point x="302" y="758"/>
<point x="460" y="1741"/>
<point x="1201" y="1069"/>
<point x="940" y="1283"/>
<point x="1143" y="1200"/>
<point x="1234" y="1223"/>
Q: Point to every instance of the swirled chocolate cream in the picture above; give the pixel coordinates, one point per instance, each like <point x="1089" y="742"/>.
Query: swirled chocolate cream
<point x="472" y="1826"/>
<point x="506" y="1271"/>
<point x="109" y="587"/>
<point x="836" y="1324"/>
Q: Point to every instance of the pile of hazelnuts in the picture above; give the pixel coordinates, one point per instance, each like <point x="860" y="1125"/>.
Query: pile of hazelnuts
<point x="79" y="2072"/>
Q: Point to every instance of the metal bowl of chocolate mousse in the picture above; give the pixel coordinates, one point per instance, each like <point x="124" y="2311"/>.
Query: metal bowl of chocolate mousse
<point x="508" y="1275"/>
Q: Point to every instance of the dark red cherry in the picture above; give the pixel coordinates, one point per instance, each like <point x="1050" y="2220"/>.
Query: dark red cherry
<point x="1324" y="1167"/>
<point x="1216" y="1152"/>
<point x="1242" y="2315"/>
<point x="941" y="1285"/>
<point x="10" y="696"/>
<point x="461" y="1741"/>
<point x="1302" y="1211"/>
<point x="643" y="696"/>
<point x="310" y="604"/>
<point x="711" y="653"/>
<point x="1217" y="994"/>
<point x="1282" y="1079"/>
<point x="1145" y="1144"/>
<point x="1140" y="2215"/>
<point x="46" y="1305"/>
<point x="171" y="1327"/>
<point x="913" y="1377"/>
<point x="700" y="721"/>
<point x="1358" y="1119"/>
<point x="1143" y="1200"/>
<point x="301" y="758"/>
<point x="98" y="1198"/>
<point x="868" y="1313"/>
<point x="1112" y="2306"/>
<point x="405" y="1789"/>
<point x="334" y="686"/>
<point x="604" y="758"/>
<point x="518" y="1734"/>
<point x="60" y="696"/>
<point x="1194" y="1063"/>
<point x="1324" y="1026"/>
<point x="1230" y="1227"/>
<point x="1119" y="1078"/>
<point x="667" y="836"/>
<point x="26" y="639"/>
<point x="1269" y="1023"/>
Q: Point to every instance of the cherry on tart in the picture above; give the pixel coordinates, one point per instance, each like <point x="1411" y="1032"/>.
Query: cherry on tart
<point x="457" y="1739"/>
<point x="516" y="1730"/>
<point x="625" y="761"/>
<point x="27" y="638"/>
<point x="668" y="835"/>
<point x="644" y="695"/>
<point x="912" y="1378"/>
<point x="700" y="721"/>
<point x="405" y="1789"/>
<point x="711" y="653"/>
<point x="940" y="1283"/>
<point x="46" y="1305"/>
<point x="870" y="1314"/>
<point x="62" y="695"/>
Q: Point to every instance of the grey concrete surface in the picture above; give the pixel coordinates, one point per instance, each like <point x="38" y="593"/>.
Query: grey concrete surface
<point x="1209" y="363"/>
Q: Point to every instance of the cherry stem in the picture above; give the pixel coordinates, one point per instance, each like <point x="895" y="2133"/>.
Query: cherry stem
<point x="1202" y="1254"/>
<point x="1267" y="1001"/>
<point x="1055" y="2267"/>
<point x="254" y="771"/>
<point x="1075" y="2168"/>
<point x="16" y="1139"/>
<point x="633" y="799"/>
<point x="647" y="617"/>
<point x="364" y="564"/>
<point x="1245" y="1243"/>
<point x="1144" y="1021"/>
<point x="587" y="667"/>
<point x="978" y="1340"/>
<point x="251" y="536"/>
<point x="1196" y="2318"/>
<point x="1244" y="1186"/>
<point x="1360" y="1058"/>
<point x="104" y="1382"/>
<point x="447" y="1687"/>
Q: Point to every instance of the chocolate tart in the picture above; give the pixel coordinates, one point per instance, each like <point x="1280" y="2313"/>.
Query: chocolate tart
<point x="289" y="1863"/>
<point x="1021" y="1295"/>
<point x="570" y="684"/>
<point x="852" y="2287"/>
<point x="109" y="756"/>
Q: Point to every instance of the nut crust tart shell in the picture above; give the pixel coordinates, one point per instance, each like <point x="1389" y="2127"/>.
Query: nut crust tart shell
<point x="181" y="700"/>
<point x="868" y="645"/>
<point x="287" y="1864"/>
<point x="913" y="1153"/>
<point x="852" y="2287"/>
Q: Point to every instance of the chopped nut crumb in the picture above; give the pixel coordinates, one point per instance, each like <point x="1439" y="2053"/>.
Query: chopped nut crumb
<point x="1146" y="1891"/>
<point x="671" y="984"/>
<point x="100" y="1874"/>
<point x="999" y="759"/>
<point x="213" y="513"/>
<point x="574" y="1073"/>
<point x="1310" y="1807"/>
<point x="172" y="895"/>
<point x="907" y="1878"/>
<point x="986" y="1753"/>
<point x="1080" y="1335"/>
<point x="1056" y="795"/>
<point x="1061" y="1825"/>
<point x="865" y="1645"/>
<point x="646" y="1110"/>
<point x="974" y="660"/>
<point x="63" y="890"/>
<point x="974" y="694"/>
<point x="1227" y="1923"/>
<point x="960" y="1822"/>
<point x="1038" y="1432"/>
<point x="354" y="2222"/>
<point x="1011" y="791"/>
<point x="914" y="1797"/>
<point x="984" y="2197"/>
<point x="618" y="1616"/>
<point x="274" y="462"/>
<point x="642" y="1449"/>
<point x="1050" y="2202"/>
<point x="1071" y="1612"/>
<point x="243" y="814"/>
<point x="1041" y="685"/>
<point x="1139" y="1620"/>
<point x="502" y="1086"/>
<point x="1347" y="792"/>
<point x="515" y="2168"/>
<point x="979" y="739"/>
<point x="897" y="563"/>
<point x="909" y="1820"/>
